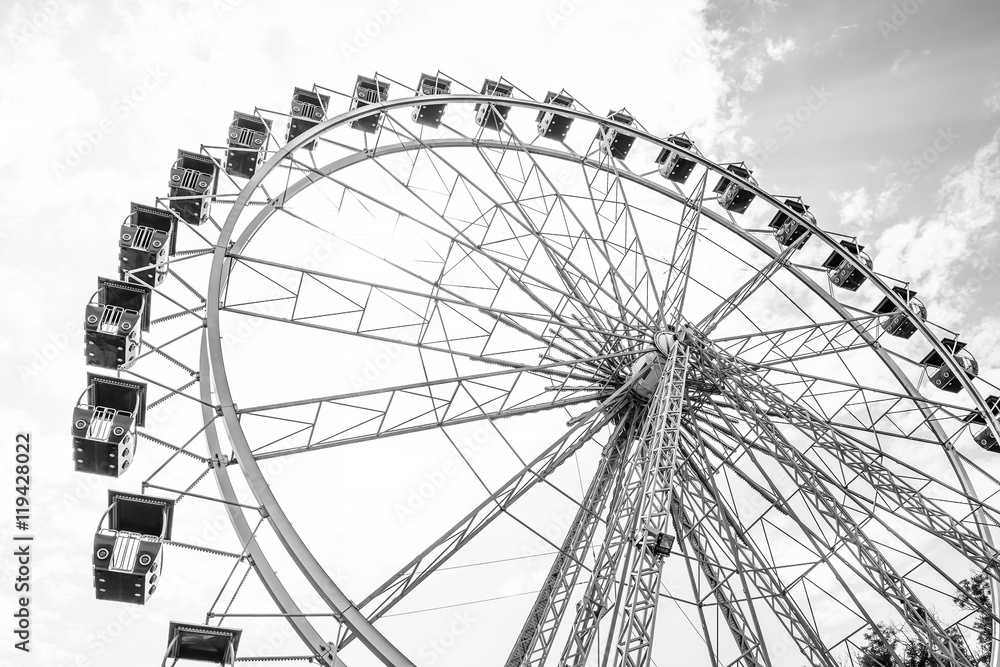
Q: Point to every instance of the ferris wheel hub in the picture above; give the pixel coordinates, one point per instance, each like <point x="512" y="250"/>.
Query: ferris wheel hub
<point x="666" y="340"/>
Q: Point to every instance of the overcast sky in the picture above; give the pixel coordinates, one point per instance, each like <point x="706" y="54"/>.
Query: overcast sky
<point x="884" y="116"/>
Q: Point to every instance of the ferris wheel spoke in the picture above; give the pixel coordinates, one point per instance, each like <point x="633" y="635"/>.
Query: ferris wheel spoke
<point x="536" y="287"/>
<point x="897" y="496"/>
<point x="571" y="275"/>
<point x="608" y="239"/>
<point x="618" y="281"/>
<point x="381" y="333"/>
<point x="671" y="303"/>
<point x="731" y="304"/>
<point x="373" y="424"/>
<point x="585" y="301"/>
<point x="808" y="415"/>
<point x="542" y="370"/>
<point x="875" y="568"/>
<point x="713" y="512"/>
<point x="438" y="296"/>
<point x="824" y="549"/>
<point x="745" y="629"/>
<point x="797" y="343"/>
<point x="394" y="589"/>
<point x="893" y="496"/>
<point x="862" y="408"/>
<point x="560" y="262"/>
<point x="525" y="280"/>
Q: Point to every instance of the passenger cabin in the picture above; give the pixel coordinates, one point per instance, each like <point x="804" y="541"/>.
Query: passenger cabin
<point x="247" y="144"/>
<point x="493" y="115"/>
<point x="104" y="425"/>
<point x="733" y="197"/>
<point x="552" y="125"/>
<point x="615" y="143"/>
<point x="788" y="231"/>
<point x="430" y="115"/>
<point x="113" y="321"/>
<point x="193" y="182"/>
<point x="841" y="272"/>
<point x="128" y="554"/>
<point x="368" y="91"/>
<point x="986" y="438"/>
<point x="671" y="164"/>
<point x="145" y="242"/>
<point x="201" y="643"/>
<point x="899" y="323"/>
<point x="941" y="374"/>
<point x="308" y="109"/>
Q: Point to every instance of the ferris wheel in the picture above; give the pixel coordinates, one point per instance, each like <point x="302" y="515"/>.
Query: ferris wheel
<point x="764" y="450"/>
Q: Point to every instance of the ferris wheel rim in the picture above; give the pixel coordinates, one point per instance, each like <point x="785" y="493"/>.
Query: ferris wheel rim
<point x="219" y="275"/>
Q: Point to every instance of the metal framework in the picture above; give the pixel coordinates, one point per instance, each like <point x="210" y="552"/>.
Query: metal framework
<point x="765" y="473"/>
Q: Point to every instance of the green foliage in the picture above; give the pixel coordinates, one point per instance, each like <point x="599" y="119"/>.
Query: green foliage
<point x="974" y="595"/>
<point x="878" y="650"/>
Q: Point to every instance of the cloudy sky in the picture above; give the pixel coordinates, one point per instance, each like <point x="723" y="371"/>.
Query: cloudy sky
<point x="884" y="115"/>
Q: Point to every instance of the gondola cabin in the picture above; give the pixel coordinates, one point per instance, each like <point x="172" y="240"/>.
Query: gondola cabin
<point x="193" y="182"/>
<point x="128" y="554"/>
<point x="552" y="125"/>
<point x="941" y="374"/>
<point x="900" y="323"/>
<point x="368" y="91"/>
<point x="985" y="438"/>
<point x="673" y="166"/>
<point x="615" y="143"/>
<point x="145" y="242"/>
<point x="733" y="196"/>
<point x="841" y="272"/>
<point x="114" y="320"/>
<point x="105" y="423"/>
<point x="493" y="115"/>
<point x="247" y="143"/>
<point x="202" y="643"/>
<point x="788" y="230"/>
<point x="430" y="115"/>
<point x="308" y="109"/>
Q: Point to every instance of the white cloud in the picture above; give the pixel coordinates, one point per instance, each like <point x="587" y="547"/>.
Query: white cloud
<point x="992" y="101"/>
<point x="860" y="210"/>
<point x="753" y="73"/>
<point x="756" y="65"/>
<point x="841" y="29"/>
<point x="932" y="250"/>
<point x="897" y="64"/>
<point x="777" y="50"/>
